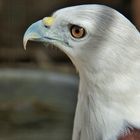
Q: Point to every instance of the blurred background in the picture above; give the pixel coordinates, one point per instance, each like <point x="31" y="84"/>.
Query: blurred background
<point x="38" y="87"/>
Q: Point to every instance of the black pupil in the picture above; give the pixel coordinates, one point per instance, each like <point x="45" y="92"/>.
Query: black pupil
<point x="77" y="30"/>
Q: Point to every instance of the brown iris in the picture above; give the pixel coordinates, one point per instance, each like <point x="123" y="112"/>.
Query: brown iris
<point x="77" y="31"/>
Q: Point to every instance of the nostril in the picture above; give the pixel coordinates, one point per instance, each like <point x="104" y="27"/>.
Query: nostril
<point x="46" y="26"/>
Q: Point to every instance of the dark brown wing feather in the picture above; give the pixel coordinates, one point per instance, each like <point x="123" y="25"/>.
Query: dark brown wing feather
<point x="133" y="135"/>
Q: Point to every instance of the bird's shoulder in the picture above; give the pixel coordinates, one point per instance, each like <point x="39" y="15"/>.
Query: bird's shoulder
<point x="134" y="134"/>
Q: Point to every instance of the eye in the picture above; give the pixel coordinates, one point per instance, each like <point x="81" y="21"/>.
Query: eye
<point x="77" y="31"/>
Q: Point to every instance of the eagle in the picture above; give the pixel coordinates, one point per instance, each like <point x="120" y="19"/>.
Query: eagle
<point x="104" y="46"/>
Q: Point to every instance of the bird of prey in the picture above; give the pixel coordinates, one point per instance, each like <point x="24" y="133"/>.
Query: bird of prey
<point x="104" y="46"/>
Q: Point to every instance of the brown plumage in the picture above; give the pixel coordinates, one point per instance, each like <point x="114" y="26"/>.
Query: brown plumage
<point x="133" y="135"/>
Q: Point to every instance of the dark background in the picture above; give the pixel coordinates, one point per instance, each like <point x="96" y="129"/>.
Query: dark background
<point x="38" y="87"/>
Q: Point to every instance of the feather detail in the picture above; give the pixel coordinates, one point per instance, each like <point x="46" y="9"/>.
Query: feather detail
<point x="132" y="134"/>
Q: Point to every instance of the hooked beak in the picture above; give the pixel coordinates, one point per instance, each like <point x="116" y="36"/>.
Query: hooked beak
<point x="33" y="33"/>
<point x="37" y="30"/>
<point x="41" y="31"/>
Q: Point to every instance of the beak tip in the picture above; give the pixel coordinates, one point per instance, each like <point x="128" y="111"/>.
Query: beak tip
<point x="25" y="43"/>
<point x="25" y="48"/>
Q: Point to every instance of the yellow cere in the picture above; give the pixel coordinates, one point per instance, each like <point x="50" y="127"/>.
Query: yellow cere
<point x="48" y="21"/>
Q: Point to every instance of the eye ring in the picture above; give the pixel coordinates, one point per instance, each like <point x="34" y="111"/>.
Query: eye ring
<point x="77" y="32"/>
